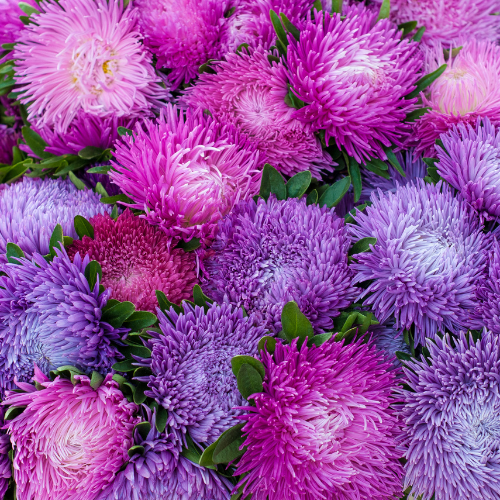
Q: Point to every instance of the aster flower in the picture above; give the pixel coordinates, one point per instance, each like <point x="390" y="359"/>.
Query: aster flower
<point x="470" y="162"/>
<point x="353" y="76"/>
<point x="191" y="368"/>
<point x="8" y="139"/>
<point x="389" y="341"/>
<point x="136" y="260"/>
<point x="70" y="440"/>
<point x="452" y="419"/>
<point x="184" y="35"/>
<point x="429" y="254"/>
<point x="186" y="172"/>
<point x="249" y="91"/>
<point x="323" y="427"/>
<point x="51" y="317"/>
<point x="10" y="24"/>
<point x="466" y="91"/>
<point x="31" y="208"/>
<point x="267" y="254"/>
<point x="84" y="55"/>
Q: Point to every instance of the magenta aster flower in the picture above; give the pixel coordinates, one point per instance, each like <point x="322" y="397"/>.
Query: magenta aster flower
<point x="137" y="259"/>
<point x="267" y="254"/>
<point x="323" y="427"/>
<point x="353" y="76"/>
<point x="10" y="24"/>
<point x="186" y="172"/>
<point x="70" y="440"/>
<point x="84" y="55"/>
<point x="452" y="420"/>
<point x="8" y="139"/>
<point x="249" y="92"/>
<point x="466" y="91"/>
<point x="184" y="35"/>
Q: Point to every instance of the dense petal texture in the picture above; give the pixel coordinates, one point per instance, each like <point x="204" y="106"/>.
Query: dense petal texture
<point x="429" y="254"/>
<point x="267" y="254"/>
<point x="70" y="440"/>
<point x="323" y="428"/>
<point x="8" y="139"/>
<point x="186" y="172"/>
<point x="452" y="417"/>
<point x="136" y="260"/>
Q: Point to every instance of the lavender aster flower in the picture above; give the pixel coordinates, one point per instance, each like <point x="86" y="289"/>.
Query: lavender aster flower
<point x="353" y="75"/>
<point x="389" y="341"/>
<point x="50" y="316"/>
<point x="470" y="162"/>
<point x="267" y="254"/>
<point x="452" y="417"/>
<point x="429" y="254"/>
<point x="31" y="208"/>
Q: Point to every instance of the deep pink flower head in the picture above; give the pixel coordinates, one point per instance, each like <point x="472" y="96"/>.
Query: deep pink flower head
<point x="466" y="91"/>
<point x="137" y="259"/>
<point x="185" y="34"/>
<point x="353" y="76"/>
<point x="249" y="91"/>
<point x="186" y="172"/>
<point x="70" y="440"/>
<point x="323" y="428"/>
<point x="10" y="24"/>
<point x="84" y="55"/>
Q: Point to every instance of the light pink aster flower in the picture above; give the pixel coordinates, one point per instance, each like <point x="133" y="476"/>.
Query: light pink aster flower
<point x="186" y="172"/>
<point x="70" y="440"/>
<point x="249" y="91"/>
<point x="467" y="90"/>
<point x="84" y="55"/>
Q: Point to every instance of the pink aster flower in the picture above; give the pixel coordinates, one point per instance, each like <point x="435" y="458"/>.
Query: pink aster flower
<point x="10" y="24"/>
<point x="323" y="427"/>
<point x="353" y="76"/>
<point x="184" y="35"/>
<point x="186" y="172"/>
<point x="467" y="90"/>
<point x="137" y="259"/>
<point x="84" y="55"/>
<point x="70" y="440"/>
<point x="249" y="91"/>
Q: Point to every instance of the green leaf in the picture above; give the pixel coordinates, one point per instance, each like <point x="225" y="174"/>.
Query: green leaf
<point x="312" y="197"/>
<point x="228" y="446"/>
<point x="139" y="396"/>
<point x="369" y="165"/>
<point x="102" y="169"/>
<point x="295" y="324"/>
<point x="385" y="10"/>
<point x="362" y="245"/>
<point x="317" y="5"/>
<point x="79" y="184"/>
<point x="334" y="194"/>
<point x="433" y="174"/>
<point x="27" y="8"/>
<point x="125" y="366"/>
<point x="318" y="340"/>
<point x="161" y="419"/>
<point x="206" y="459"/>
<point x="71" y="166"/>
<point x="13" y="412"/>
<point x="143" y="428"/>
<point x="56" y="239"/>
<point x="200" y="299"/>
<point x="416" y="114"/>
<point x="13" y="253"/>
<point x="407" y="27"/>
<point x="238" y="361"/>
<point x="419" y="34"/>
<point x="90" y="153"/>
<point x="67" y="240"/>
<point x="99" y="189"/>
<point x="83" y="227"/>
<point x="189" y="246"/>
<point x="110" y="200"/>
<point x="425" y="81"/>
<point x="454" y="52"/>
<point x="298" y="184"/>
<point x="337" y="6"/>
<point x="8" y="46"/>
<point x="96" y="380"/>
<point x="118" y="314"/>
<point x="165" y="304"/>
<point x="241" y="47"/>
<point x="192" y="452"/>
<point x="391" y="157"/>
<point x="272" y="182"/>
<point x="249" y="381"/>
<point x="114" y="212"/>
<point x="136" y="450"/>
<point x="355" y="176"/>
<point x="349" y="219"/>
<point x="35" y="142"/>
<point x="139" y="320"/>
<point x="278" y="27"/>
<point x="93" y="270"/>
<point x="268" y="343"/>
<point x="403" y="356"/>
<point x="124" y="131"/>
<point x="16" y="171"/>
<point x="207" y="68"/>
<point x="430" y="162"/>
<point x="293" y="30"/>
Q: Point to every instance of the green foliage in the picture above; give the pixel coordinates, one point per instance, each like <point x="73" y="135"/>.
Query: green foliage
<point x="295" y="324"/>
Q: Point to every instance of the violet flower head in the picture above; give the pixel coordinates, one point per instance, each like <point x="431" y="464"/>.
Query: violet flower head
<point x="10" y="24"/>
<point x="452" y="420"/>
<point x="466" y="91"/>
<point x="323" y="427"/>
<point x="84" y="55"/>
<point x="353" y="75"/>
<point x="136" y="260"/>
<point x="427" y="260"/>
<point x="70" y="440"/>
<point x="267" y="254"/>
<point x="470" y="162"/>
<point x="51" y="317"/>
<point x="31" y="208"/>
<point x="184" y="35"/>
<point x="8" y="139"/>
<point x="186" y="172"/>
<point x="249" y="91"/>
<point x="389" y="341"/>
<point x="191" y="368"/>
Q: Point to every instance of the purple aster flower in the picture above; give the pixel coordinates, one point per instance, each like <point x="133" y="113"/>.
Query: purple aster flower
<point x="389" y="341"/>
<point x="84" y="55"/>
<point x="429" y="255"/>
<point x="470" y="162"/>
<point x="267" y="254"/>
<point x="323" y="427"/>
<point x="452" y="420"/>
<point x="51" y="317"/>
<point x="466" y="91"/>
<point x="249" y="91"/>
<point x="186" y="172"/>
<point x="191" y="368"/>
<point x="10" y="24"/>
<point x="8" y="139"/>
<point x="71" y="439"/>
<point x="353" y="76"/>
<point x="31" y="208"/>
<point x="184" y="35"/>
